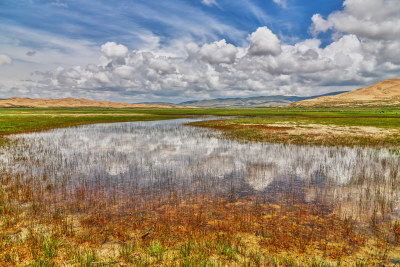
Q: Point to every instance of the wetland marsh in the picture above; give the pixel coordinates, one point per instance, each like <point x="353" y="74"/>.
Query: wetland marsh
<point x="165" y="193"/>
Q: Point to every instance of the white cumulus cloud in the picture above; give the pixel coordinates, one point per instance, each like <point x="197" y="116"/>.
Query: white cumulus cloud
<point x="218" y="52"/>
<point x="264" y="42"/>
<point x="114" y="50"/>
<point x="373" y="19"/>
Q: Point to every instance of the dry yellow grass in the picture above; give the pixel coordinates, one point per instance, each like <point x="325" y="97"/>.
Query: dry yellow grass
<point x="383" y="93"/>
<point x="306" y="133"/>
<point x="299" y="128"/>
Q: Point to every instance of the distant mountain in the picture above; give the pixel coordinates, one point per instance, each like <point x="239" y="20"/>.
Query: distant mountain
<point x="257" y="101"/>
<point x="384" y="93"/>
<point x="157" y="103"/>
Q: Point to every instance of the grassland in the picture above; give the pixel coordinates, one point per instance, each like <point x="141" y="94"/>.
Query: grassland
<point x="41" y="228"/>
<point x="361" y="127"/>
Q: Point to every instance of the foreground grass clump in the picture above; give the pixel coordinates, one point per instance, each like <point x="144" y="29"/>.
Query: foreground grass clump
<point x="196" y="232"/>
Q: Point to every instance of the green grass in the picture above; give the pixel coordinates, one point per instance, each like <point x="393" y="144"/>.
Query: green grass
<point x="10" y="124"/>
<point x="373" y="112"/>
<point x="267" y="111"/>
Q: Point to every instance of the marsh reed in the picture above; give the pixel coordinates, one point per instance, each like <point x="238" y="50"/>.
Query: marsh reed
<point x="161" y="193"/>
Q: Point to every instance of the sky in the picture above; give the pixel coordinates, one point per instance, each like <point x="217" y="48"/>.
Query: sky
<point x="177" y="50"/>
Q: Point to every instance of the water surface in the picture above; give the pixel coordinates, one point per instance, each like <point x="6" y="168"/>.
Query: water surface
<point x="156" y="159"/>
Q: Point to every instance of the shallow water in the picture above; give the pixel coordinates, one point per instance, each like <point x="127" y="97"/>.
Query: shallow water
<point x="153" y="159"/>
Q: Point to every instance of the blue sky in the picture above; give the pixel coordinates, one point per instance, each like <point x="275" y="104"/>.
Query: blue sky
<point x="122" y="21"/>
<point x="175" y="50"/>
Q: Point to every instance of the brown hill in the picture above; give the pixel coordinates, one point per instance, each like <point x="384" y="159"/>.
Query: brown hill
<point x="384" y="93"/>
<point x="72" y="103"/>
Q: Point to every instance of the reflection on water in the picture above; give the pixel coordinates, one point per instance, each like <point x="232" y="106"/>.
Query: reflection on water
<point x="156" y="158"/>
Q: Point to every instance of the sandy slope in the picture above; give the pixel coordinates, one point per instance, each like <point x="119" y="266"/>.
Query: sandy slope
<point x="386" y="92"/>
<point x="72" y="102"/>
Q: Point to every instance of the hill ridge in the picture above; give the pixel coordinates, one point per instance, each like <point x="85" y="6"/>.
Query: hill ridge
<point x="385" y="93"/>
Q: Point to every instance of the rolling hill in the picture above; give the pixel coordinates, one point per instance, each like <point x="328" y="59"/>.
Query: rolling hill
<point x="384" y="93"/>
<point x="72" y="102"/>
